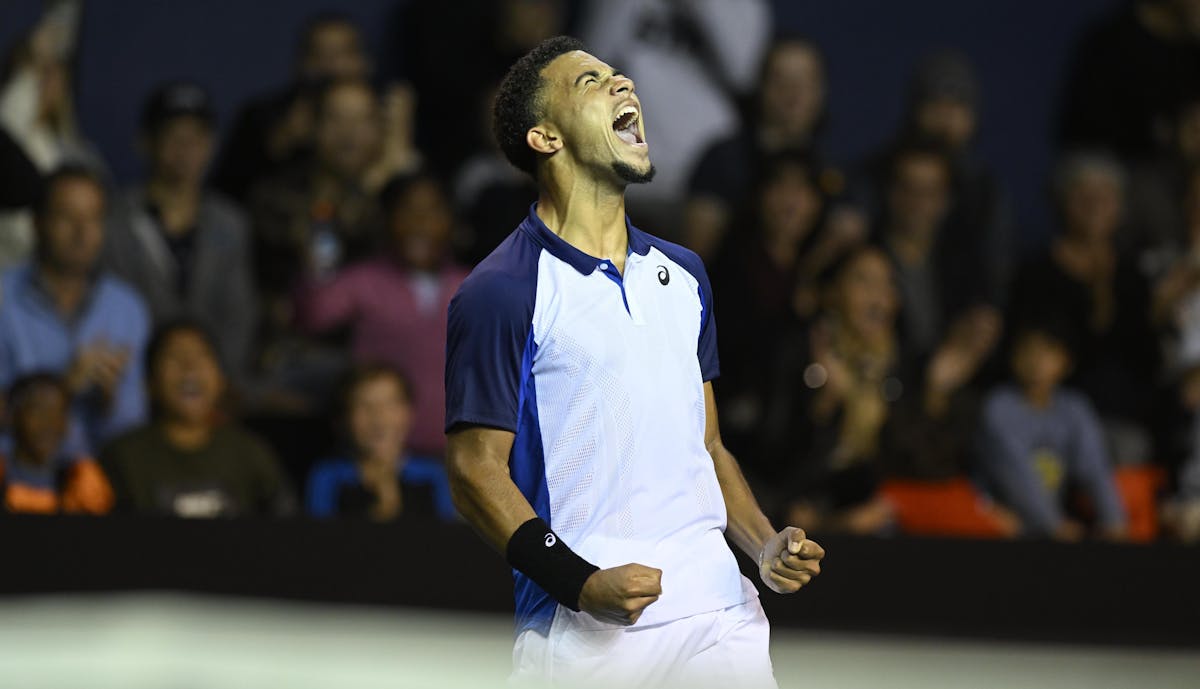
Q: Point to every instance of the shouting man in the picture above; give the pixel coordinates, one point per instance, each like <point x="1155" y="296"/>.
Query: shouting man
<point x="583" y="438"/>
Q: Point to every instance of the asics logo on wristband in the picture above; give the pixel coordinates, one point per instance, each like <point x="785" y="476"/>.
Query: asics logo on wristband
<point x="550" y="540"/>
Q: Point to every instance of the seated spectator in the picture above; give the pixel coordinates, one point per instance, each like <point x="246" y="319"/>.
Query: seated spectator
<point x="378" y="478"/>
<point x="942" y="114"/>
<point x="940" y="286"/>
<point x="395" y="304"/>
<point x="1040" y="440"/>
<point x="60" y="313"/>
<point x="37" y="474"/>
<point x="847" y="408"/>
<point x="187" y="462"/>
<point x="834" y="383"/>
<point x="789" y="111"/>
<point x="317" y="217"/>
<point x="184" y="247"/>
<point x="37" y="115"/>
<point x="931" y="431"/>
<point x="320" y="213"/>
<point x="767" y="281"/>
<point x="1099" y="295"/>
<point x="277" y="130"/>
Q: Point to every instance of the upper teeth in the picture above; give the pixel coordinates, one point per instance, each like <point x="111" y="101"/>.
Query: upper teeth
<point x="627" y="110"/>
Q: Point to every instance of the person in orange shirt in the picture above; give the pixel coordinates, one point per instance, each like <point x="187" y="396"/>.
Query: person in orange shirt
<point x="37" y="475"/>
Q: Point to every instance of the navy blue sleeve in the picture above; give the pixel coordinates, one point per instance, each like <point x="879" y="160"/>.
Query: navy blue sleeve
<point x="706" y="349"/>
<point x="490" y="321"/>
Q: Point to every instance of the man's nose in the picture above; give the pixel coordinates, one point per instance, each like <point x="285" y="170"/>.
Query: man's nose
<point x="621" y="84"/>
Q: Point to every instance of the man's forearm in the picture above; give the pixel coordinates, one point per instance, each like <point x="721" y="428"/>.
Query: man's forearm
<point x="488" y="499"/>
<point x="482" y="489"/>
<point x="747" y="526"/>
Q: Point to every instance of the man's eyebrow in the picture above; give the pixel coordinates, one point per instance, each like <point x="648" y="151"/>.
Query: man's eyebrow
<point x="590" y="73"/>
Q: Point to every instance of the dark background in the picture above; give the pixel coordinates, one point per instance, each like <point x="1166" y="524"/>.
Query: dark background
<point x="1019" y="47"/>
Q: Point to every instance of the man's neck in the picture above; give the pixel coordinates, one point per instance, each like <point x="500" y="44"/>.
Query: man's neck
<point x="774" y="137"/>
<point x="586" y="213"/>
<point x="66" y="289"/>
<point x="1039" y="397"/>
<point x="912" y="246"/>
<point x="176" y="203"/>
<point x="187" y="435"/>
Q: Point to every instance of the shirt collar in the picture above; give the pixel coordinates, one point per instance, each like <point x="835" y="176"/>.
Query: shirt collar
<point x="639" y="243"/>
<point x="38" y="291"/>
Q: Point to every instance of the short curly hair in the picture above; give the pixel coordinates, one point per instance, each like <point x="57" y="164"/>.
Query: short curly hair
<point x="519" y="104"/>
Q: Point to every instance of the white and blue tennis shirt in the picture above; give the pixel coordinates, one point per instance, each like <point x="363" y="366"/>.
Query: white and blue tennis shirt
<point x="601" y="377"/>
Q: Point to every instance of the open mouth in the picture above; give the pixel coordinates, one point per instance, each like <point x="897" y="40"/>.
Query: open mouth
<point x="190" y="389"/>
<point x="626" y="126"/>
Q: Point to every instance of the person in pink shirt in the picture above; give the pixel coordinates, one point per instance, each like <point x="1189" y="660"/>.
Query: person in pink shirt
<point x="394" y="304"/>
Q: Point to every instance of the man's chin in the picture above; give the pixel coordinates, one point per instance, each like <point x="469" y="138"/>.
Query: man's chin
<point x="631" y="175"/>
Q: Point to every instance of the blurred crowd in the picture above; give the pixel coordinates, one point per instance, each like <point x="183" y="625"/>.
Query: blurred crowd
<point x="258" y="326"/>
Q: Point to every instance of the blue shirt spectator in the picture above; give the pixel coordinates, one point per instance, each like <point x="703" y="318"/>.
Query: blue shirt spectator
<point x="60" y="314"/>
<point x="1039" y="440"/>
<point x="378" y="478"/>
<point x="335" y="489"/>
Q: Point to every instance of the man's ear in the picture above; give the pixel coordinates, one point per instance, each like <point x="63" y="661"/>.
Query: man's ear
<point x="543" y="139"/>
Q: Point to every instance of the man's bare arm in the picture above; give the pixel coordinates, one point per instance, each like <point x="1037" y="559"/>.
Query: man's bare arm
<point x="485" y="495"/>
<point x="748" y="527"/>
<point x="786" y="560"/>
<point x="483" y="490"/>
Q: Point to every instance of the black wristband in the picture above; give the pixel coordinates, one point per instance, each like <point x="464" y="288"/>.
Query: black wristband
<point x="540" y="554"/>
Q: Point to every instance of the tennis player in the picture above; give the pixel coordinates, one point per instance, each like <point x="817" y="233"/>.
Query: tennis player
<point x="583" y="438"/>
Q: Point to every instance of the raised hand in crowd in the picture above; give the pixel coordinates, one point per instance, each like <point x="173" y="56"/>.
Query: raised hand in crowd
<point x="98" y="365"/>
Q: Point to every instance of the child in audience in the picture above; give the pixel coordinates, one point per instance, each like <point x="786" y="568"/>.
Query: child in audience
<point x="1042" y="442"/>
<point x="378" y="479"/>
<point x="37" y="475"/>
<point x="186" y="462"/>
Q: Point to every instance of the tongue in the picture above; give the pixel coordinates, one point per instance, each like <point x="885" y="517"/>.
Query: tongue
<point x="628" y="135"/>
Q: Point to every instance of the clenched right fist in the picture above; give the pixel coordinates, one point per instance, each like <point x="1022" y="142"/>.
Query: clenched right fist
<point x="620" y="594"/>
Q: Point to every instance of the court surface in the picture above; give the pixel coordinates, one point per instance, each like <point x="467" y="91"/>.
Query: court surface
<point x="162" y="641"/>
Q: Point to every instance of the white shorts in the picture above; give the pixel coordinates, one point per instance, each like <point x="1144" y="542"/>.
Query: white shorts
<point x="725" y="648"/>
